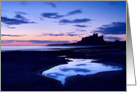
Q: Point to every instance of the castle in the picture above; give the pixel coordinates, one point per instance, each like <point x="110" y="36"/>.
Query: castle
<point x="94" y="39"/>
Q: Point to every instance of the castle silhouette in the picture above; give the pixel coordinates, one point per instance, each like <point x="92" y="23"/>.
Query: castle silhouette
<point x="94" y="39"/>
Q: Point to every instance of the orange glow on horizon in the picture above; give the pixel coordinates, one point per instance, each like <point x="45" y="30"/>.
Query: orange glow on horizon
<point x="71" y="39"/>
<point x="23" y="43"/>
<point x="57" y="38"/>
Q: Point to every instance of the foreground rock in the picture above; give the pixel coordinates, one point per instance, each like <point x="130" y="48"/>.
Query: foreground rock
<point x="104" y="81"/>
<point x="20" y="71"/>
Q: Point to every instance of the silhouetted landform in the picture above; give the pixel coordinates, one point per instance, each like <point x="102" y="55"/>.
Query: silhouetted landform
<point x="104" y="54"/>
<point x="90" y="40"/>
<point x="20" y="71"/>
<point x="94" y="40"/>
<point x="103" y="81"/>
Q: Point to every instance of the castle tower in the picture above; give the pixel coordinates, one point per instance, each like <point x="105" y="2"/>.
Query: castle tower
<point x="95" y="35"/>
<point x="101" y="38"/>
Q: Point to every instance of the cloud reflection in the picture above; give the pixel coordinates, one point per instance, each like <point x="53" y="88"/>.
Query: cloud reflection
<point x="77" y="66"/>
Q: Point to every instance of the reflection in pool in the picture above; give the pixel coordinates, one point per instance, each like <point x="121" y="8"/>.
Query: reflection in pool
<point x="77" y="66"/>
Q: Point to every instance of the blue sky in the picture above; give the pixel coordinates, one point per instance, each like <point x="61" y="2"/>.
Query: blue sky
<point x="61" y="20"/>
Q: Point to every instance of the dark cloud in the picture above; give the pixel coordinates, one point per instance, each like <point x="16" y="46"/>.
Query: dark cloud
<point x="81" y="30"/>
<point x="22" y="13"/>
<point x="50" y="34"/>
<point x="114" y="28"/>
<point x="60" y="34"/>
<point x="41" y="18"/>
<point x="47" y="41"/>
<point x="11" y="27"/>
<point x="74" y="12"/>
<point x="52" y="15"/>
<point x="111" y="3"/>
<point x="80" y="25"/>
<point x="18" y="16"/>
<point x="65" y="21"/>
<point x="72" y="34"/>
<point x="2" y="10"/>
<point x="12" y="35"/>
<point x="7" y="41"/>
<point x="113" y="38"/>
<point x="34" y="41"/>
<point x="14" y="21"/>
<point x="56" y="15"/>
<point x="51" y="4"/>
<point x="23" y="2"/>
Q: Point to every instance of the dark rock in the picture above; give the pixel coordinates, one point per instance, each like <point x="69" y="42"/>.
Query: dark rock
<point x="104" y="81"/>
<point x="20" y="71"/>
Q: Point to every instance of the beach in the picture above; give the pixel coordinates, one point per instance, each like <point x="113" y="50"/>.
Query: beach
<point x="63" y="46"/>
<point x="103" y="81"/>
<point x="21" y="70"/>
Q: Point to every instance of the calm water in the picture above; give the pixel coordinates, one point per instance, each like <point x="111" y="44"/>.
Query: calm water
<point x="38" y="48"/>
<point x="77" y="66"/>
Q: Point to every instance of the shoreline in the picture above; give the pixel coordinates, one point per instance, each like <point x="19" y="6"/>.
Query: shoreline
<point x="25" y="74"/>
<point x="115" y="81"/>
<point x="52" y="59"/>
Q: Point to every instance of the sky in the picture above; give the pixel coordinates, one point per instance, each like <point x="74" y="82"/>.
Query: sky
<point x="57" y="22"/>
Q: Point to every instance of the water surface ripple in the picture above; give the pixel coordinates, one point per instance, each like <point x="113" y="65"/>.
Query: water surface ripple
<point x="77" y="66"/>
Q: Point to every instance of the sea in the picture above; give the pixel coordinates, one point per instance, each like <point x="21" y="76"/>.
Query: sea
<point x="38" y="48"/>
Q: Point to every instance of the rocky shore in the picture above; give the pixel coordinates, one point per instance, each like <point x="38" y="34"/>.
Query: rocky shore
<point x="103" y="81"/>
<point x="21" y="70"/>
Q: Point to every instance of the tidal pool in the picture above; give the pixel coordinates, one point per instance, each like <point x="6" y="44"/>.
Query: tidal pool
<point x="77" y="66"/>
